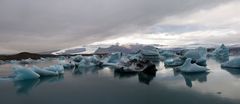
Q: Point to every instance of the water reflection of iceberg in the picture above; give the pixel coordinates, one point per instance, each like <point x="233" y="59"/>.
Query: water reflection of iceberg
<point x="146" y="78"/>
<point x="25" y="86"/>
<point x="200" y="77"/>
<point x="81" y="71"/>
<point x="142" y="77"/>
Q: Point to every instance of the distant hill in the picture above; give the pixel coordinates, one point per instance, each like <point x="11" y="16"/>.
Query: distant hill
<point x="24" y="55"/>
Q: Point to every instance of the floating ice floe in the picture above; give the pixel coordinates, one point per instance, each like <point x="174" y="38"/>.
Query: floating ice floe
<point x="221" y="53"/>
<point x="44" y="71"/>
<point x="55" y="68"/>
<point x="77" y="58"/>
<point x="24" y="73"/>
<point x="91" y="61"/>
<point x="67" y="64"/>
<point x="173" y="62"/>
<point x="150" y="53"/>
<point x="234" y="63"/>
<point x="189" y="67"/>
<point x="165" y="54"/>
<point x="199" y="55"/>
<point x="115" y="57"/>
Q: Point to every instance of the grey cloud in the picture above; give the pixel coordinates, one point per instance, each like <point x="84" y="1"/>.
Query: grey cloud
<point x="38" y="25"/>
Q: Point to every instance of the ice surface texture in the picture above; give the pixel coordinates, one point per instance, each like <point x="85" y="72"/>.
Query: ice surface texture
<point x="24" y="73"/>
<point x="34" y="72"/>
<point x="199" y="55"/>
<point x="234" y="63"/>
<point x="189" y="67"/>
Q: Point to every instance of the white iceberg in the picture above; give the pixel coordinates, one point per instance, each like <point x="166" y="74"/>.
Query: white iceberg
<point x="234" y="63"/>
<point x="189" y="67"/>
<point x="24" y="73"/>
<point x="199" y="55"/>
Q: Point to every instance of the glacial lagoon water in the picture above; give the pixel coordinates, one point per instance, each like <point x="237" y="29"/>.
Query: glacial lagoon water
<point x="104" y="86"/>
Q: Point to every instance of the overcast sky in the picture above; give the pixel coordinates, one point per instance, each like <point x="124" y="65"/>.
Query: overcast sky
<point x="42" y="25"/>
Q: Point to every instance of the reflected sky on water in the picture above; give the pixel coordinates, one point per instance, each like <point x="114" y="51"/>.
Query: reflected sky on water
<point x="104" y="86"/>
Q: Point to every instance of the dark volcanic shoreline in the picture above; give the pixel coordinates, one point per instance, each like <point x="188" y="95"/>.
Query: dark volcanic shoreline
<point x="35" y="56"/>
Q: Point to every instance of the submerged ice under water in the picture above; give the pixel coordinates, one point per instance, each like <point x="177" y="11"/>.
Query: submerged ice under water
<point x="102" y="85"/>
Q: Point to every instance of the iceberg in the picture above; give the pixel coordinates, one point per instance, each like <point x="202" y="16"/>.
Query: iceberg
<point x="199" y="55"/>
<point x="78" y="58"/>
<point x="221" y="53"/>
<point x="44" y="72"/>
<point x="165" y="54"/>
<point x="150" y="53"/>
<point x="114" y="58"/>
<point x="173" y="62"/>
<point x="24" y="73"/>
<point x="55" y="68"/>
<point x="85" y="63"/>
<point x="189" y="67"/>
<point x="234" y="63"/>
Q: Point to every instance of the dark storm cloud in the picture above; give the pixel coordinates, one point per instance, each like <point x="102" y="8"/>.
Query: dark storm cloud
<point x="37" y="25"/>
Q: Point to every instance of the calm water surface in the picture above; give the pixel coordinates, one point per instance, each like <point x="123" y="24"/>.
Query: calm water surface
<point x="103" y="86"/>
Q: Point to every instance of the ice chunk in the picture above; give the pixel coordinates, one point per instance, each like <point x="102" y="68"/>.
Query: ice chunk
<point x="55" y="68"/>
<point x="78" y="58"/>
<point x="137" y="56"/>
<point x="114" y="58"/>
<point x="221" y="53"/>
<point x="199" y="55"/>
<point x="234" y="63"/>
<point x="44" y="72"/>
<point x="24" y="73"/>
<point x="150" y="53"/>
<point x="189" y="67"/>
<point x="173" y="62"/>
<point x="164" y="55"/>
<point x="85" y="63"/>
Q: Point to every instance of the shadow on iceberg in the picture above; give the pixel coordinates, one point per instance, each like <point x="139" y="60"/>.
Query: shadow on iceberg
<point x="25" y="86"/>
<point x="233" y="71"/>
<point x="233" y="63"/>
<point x="189" y="78"/>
